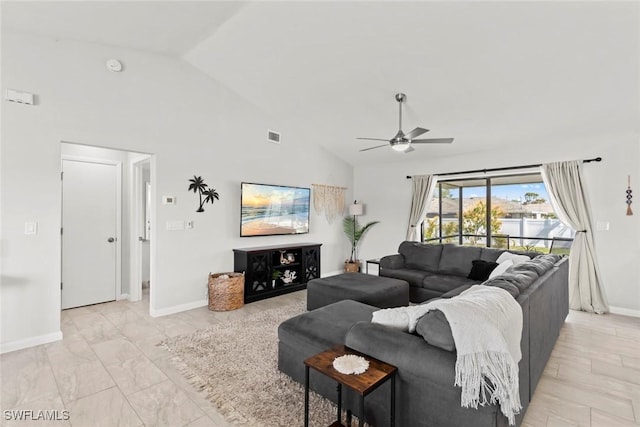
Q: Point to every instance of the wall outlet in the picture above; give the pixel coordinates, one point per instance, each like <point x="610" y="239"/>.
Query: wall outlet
<point x="30" y="228"/>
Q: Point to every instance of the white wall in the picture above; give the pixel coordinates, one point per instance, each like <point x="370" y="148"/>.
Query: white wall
<point x="387" y="193"/>
<point x="158" y="105"/>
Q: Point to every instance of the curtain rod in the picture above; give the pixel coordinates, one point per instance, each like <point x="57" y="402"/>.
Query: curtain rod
<point x="597" y="159"/>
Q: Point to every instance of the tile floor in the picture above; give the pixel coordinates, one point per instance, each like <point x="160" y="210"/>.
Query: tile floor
<point x="108" y="371"/>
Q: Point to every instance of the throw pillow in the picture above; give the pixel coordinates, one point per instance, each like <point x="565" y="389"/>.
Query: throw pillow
<point x="434" y="328"/>
<point x="480" y="269"/>
<point x="504" y="283"/>
<point x="501" y="268"/>
<point x="517" y="259"/>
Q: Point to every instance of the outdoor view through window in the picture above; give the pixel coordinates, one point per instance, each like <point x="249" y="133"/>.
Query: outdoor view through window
<point x="511" y="212"/>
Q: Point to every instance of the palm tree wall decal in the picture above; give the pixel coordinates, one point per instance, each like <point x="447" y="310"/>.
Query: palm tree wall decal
<point x="197" y="185"/>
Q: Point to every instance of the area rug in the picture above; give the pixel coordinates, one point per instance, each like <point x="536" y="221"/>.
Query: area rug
<point x="235" y="364"/>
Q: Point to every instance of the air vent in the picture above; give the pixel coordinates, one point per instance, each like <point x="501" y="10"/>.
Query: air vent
<point x="273" y="137"/>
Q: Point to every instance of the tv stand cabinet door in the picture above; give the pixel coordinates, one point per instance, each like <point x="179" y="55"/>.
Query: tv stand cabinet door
<point x="257" y="276"/>
<point x="311" y="263"/>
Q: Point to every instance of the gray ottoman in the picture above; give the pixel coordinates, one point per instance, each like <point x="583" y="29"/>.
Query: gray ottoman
<point x="381" y="292"/>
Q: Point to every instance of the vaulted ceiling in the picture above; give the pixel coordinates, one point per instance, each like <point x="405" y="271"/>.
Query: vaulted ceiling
<point x="489" y="74"/>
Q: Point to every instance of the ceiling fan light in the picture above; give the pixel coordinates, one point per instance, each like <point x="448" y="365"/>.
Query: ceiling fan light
<point x="400" y="146"/>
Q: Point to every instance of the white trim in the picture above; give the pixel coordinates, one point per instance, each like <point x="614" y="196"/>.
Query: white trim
<point x="153" y="278"/>
<point x="624" y="311"/>
<point x="332" y="273"/>
<point x="178" y="308"/>
<point x="122" y="296"/>
<point x="137" y="227"/>
<point x="118" y="229"/>
<point x="30" y="342"/>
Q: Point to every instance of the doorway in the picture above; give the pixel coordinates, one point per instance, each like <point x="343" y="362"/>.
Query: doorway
<point x="86" y="277"/>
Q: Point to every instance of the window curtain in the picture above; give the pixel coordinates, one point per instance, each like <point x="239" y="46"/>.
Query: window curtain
<point x="564" y="183"/>
<point x="423" y="187"/>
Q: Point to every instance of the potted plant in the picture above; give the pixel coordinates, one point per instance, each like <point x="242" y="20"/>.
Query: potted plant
<point x="274" y="277"/>
<point x="354" y="233"/>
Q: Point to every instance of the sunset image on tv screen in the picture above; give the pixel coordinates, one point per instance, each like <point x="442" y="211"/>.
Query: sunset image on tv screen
<point x="273" y="209"/>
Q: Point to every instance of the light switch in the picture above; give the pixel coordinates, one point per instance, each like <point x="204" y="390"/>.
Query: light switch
<point x="602" y="225"/>
<point x="30" y="228"/>
<point x="189" y="224"/>
<point x="175" y="225"/>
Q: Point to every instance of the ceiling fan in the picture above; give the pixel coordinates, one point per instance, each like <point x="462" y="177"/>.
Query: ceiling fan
<point x="401" y="141"/>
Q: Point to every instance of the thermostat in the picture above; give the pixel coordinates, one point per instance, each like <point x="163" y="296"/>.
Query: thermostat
<point x="168" y="200"/>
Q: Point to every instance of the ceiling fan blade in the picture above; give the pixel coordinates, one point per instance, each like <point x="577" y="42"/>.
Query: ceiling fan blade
<point x="374" y="139"/>
<point x="377" y="146"/>
<point x="408" y="150"/>
<point x="416" y="132"/>
<point x="432" y="141"/>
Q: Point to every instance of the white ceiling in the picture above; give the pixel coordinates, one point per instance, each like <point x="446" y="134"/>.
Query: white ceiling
<point x="489" y="74"/>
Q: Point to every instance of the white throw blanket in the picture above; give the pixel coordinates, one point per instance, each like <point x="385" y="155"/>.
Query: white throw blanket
<point x="402" y="318"/>
<point x="486" y="324"/>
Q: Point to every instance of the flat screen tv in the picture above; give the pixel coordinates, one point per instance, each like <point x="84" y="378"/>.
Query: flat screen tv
<point x="268" y="210"/>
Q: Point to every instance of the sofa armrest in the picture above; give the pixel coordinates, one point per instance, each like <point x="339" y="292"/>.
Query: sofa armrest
<point x="411" y="354"/>
<point x="392" y="261"/>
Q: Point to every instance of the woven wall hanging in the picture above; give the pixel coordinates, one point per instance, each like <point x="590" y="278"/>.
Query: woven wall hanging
<point x="328" y="199"/>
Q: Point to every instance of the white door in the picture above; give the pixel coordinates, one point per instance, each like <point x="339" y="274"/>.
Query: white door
<point x="89" y="220"/>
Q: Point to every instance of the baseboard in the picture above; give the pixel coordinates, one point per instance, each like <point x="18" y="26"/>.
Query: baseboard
<point x="30" y="342"/>
<point x="332" y="273"/>
<point x="624" y="311"/>
<point x="178" y="308"/>
<point x="122" y="296"/>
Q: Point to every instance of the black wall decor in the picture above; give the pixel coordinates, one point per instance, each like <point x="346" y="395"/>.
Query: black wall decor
<point x="198" y="186"/>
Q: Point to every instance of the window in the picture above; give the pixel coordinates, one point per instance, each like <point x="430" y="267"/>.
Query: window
<point x="510" y="212"/>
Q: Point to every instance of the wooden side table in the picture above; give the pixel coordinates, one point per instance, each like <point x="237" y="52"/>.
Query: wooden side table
<point x="363" y="384"/>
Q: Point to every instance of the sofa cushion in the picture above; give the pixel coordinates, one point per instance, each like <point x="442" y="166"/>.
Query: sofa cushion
<point x="434" y="328"/>
<point x="420" y="256"/>
<point x="516" y="258"/>
<point x="507" y="286"/>
<point x="446" y="282"/>
<point x="454" y="292"/>
<point x="540" y="264"/>
<point x="392" y="261"/>
<point x="538" y="267"/>
<point x="501" y="268"/>
<point x="520" y="279"/>
<point x="411" y="276"/>
<point x="554" y="258"/>
<point x="456" y="260"/>
<point x="325" y="326"/>
<point x="490" y="254"/>
<point x="480" y="269"/>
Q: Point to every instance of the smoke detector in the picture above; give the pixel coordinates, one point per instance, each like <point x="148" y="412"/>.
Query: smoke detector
<point x="114" y="65"/>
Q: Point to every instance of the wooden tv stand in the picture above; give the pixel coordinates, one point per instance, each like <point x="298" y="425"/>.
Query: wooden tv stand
<point x="261" y="265"/>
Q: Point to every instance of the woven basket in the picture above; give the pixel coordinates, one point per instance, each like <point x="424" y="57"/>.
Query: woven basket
<point x="226" y="291"/>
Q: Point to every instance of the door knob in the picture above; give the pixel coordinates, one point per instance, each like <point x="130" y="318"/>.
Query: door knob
<point x="111" y="240"/>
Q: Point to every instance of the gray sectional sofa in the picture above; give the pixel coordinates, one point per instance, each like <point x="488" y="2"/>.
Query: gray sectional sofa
<point x="435" y="269"/>
<point x="425" y="391"/>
